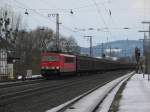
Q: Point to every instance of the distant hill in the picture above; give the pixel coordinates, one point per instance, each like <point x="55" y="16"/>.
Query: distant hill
<point x="126" y="48"/>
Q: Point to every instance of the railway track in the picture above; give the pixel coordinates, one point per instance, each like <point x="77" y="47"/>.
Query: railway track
<point x="71" y="106"/>
<point x="10" y="96"/>
<point x="56" y="91"/>
<point x="19" y="83"/>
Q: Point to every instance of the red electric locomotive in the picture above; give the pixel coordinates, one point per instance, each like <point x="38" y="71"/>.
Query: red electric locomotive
<point x="56" y="63"/>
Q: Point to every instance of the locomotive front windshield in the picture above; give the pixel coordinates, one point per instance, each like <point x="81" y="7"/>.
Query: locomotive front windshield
<point x="49" y="58"/>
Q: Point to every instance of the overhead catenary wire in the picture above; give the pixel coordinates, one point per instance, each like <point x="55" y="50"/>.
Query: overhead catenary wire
<point x="73" y="8"/>
<point x="113" y="21"/>
<point x="47" y="3"/>
<point x="64" y="26"/>
<point x="64" y="10"/>
<point x="101" y="16"/>
<point x="111" y="17"/>
<point x="23" y="9"/>
<point x="23" y="6"/>
<point x="99" y="12"/>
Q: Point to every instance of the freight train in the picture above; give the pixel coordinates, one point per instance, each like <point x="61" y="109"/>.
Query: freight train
<point x="53" y="63"/>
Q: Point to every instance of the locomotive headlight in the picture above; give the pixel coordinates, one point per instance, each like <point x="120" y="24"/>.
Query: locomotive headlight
<point x="53" y="67"/>
<point x="57" y="67"/>
<point x="47" y="67"/>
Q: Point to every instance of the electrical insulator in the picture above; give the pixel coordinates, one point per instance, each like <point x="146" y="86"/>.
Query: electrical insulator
<point x="71" y="12"/>
<point x="26" y="12"/>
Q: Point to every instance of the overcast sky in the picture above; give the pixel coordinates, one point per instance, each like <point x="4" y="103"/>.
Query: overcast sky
<point x="108" y="18"/>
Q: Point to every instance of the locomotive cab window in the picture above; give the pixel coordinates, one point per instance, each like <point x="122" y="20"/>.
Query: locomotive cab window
<point x="68" y="60"/>
<point x="49" y="58"/>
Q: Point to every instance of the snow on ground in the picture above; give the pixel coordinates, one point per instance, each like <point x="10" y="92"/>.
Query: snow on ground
<point x="36" y="76"/>
<point x="89" y="102"/>
<point x="104" y="107"/>
<point x="136" y="95"/>
<point x="32" y="77"/>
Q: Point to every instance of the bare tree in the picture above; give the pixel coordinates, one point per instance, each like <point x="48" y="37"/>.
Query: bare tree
<point x="72" y="46"/>
<point x="29" y="45"/>
<point x="41" y="37"/>
<point x="10" y="24"/>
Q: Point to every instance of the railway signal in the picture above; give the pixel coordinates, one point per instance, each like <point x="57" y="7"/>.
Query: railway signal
<point x="71" y="12"/>
<point x="26" y="12"/>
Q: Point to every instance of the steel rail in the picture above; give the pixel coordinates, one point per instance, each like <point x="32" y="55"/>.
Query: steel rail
<point x="39" y="90"/>
<point x="19" y="83"/>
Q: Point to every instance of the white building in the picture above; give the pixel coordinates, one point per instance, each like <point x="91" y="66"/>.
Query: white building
<point x="3" y="64"/>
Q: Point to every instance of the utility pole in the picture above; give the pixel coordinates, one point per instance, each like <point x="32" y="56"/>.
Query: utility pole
<point x="102" y="50"/>
<point x="91" y="49"/>
<point x="147" y="53"/>
<point x="144" y="22"/>
<point x="144" y="53"/>
<point x="1" y="24"/>
<point x="110" y="51"/>
<point x="57" y="30"/>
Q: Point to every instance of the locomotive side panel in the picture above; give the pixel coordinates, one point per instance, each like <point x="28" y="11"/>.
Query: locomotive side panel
<point x="69" y="63"/>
